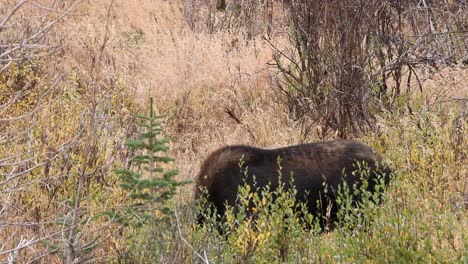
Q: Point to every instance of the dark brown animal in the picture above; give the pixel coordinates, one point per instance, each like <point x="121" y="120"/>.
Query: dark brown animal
<point x="312" y="165"/>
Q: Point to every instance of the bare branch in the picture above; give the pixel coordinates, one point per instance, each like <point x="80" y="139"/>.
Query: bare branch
<point x="28" y="46"/>
<point x="202" y="258"/>
<point x="12" y="12"/>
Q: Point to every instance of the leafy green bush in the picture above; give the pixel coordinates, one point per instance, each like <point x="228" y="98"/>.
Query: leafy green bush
<point x="271" y="226"/>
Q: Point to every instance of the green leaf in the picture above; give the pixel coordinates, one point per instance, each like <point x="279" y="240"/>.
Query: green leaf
<point x="170" y="174"/>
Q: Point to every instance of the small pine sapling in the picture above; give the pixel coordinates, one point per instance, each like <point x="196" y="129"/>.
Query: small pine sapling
<point x="149" y="185"/>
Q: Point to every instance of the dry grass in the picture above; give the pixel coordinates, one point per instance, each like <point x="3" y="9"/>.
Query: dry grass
<point x="194" y="77"/>
<point x="191" y="76"/>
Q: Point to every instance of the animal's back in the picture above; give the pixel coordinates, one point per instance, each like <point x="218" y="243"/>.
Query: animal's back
<point x="311" y="164"/>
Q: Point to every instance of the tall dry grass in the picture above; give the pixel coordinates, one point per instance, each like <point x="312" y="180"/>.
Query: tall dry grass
<point x="192" y="76"/>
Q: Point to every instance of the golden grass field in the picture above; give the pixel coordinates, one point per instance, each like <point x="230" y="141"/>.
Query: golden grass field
<point x="196" y="75"/>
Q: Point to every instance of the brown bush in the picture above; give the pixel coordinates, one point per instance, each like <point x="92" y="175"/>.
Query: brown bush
<point x="347" y="59"/>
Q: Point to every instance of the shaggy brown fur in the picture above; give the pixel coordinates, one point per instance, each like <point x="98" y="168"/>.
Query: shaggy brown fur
<point x="312" y="165"/>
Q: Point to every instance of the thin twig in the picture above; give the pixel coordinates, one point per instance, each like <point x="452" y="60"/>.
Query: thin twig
<point x="204" y="259"/>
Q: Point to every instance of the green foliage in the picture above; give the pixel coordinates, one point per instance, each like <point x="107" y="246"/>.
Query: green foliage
<point x="150" y="186"/>
<point x="269" y="225"/>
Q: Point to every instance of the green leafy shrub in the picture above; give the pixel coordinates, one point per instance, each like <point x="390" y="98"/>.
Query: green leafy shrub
<point x="269" y="225"/>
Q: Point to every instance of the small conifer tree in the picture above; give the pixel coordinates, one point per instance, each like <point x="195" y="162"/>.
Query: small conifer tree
<point x="149" y="185"/>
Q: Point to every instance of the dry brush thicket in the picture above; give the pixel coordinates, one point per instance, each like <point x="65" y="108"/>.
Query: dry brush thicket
<point x="347" y="60"/>
<point x="61" y="133"/>
<point x="72" y="73"/>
